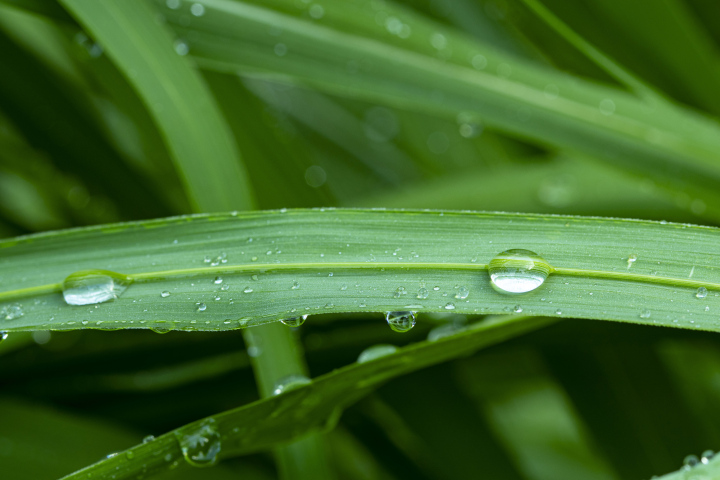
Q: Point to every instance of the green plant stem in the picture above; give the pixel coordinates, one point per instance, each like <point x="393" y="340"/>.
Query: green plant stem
<point x="278" y="354"/>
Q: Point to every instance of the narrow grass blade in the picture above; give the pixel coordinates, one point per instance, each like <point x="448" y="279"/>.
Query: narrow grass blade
<point x="180" y="102"/>
<point x="222" y="272"/>
<point x="308" y="408"/>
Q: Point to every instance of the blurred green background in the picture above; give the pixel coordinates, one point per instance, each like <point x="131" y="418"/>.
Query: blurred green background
<point x="579" y="400"/>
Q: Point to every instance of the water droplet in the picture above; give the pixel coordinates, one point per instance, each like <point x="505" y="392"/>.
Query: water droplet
<point x="148" y="439"/>
<point x="632" y="258"/>
<point x="701" y="292"/>
<point x="607" y="106"/>
<point x="343" y="287"/>
<point x="517" y="309"/>
<point x="181" y="48"/>
<point x="201" y="307"/>
<point x="225" y="287"/>
<point x="93" y="286"/>
<point x="517" y="271"/>
<point x="197" y="9"/>
<point x="254" y="277"/>
<point x="217" y="281"/>
<point x="294" y="321"/>
<point x="423" y="293"/>
<point x="295" y="285"/>
<point x="400" y="321"/>
<point x="248" y="290"/>
<point x="11" y="312"/>
<point x="690" y="461"/>
<point x="161" y="330"/>
<point x="200" y="446"/>
<point x="400" y="292"/>
<point x="165" y="294"/>
<point x="436" y="288"/>
<point x="645" y="314"/>
<point x="450" y="306"/>
<point x="291" y="382"/>
<point x="173" y="4"/>
<point x="316" y="11"/>
<point x="375" y="352"/>
<point x="129" y="455"/>
<point x="462" y="293"/>
<point x="706" y="456"/>
<point x="3" y="336"/>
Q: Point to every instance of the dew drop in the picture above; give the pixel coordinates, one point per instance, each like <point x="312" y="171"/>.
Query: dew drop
<point x="423" y="293"/>
<point x="400" y="321"/>
<point x="517" y="309"/>
<point x="197" y="9"/>
<point x="632" y="258"/>
<point x="701" y="292"/>
<point x="706" y="456"/>
<point x="181" y="48"/>
<point x="89" y="287"/>
<point x="295" y="285"/>
<point x="218" y="280"/>
<point x="248" y="290"/>
<point x="517" y="271"/>
<point x="375" y="352"/>
<point x="645" y="314"/>
<point x="11" y="312"/>
<point x="3" y="336"/>
<point x="450" y="306"/>
<point x="201" y="307"/>
<point x="165" y="294"/>
<point x="291" y="382"/>
<point x="690" y="461"/>
<point x="294" y="321"/>
<point x="225" y="287"/>
<point x="200" y="446"/>
<point x="462" y="293"/>
<point x="148" y="439"/>
<point x="400" y="292"/>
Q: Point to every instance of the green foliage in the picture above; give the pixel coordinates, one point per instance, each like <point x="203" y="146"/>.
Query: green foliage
<point x="133" y="111"/>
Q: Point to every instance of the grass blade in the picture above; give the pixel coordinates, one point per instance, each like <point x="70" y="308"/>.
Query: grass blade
<point x="308" y="408"/>
<point x="184" y="109"/>
<point x="275" y="265"/>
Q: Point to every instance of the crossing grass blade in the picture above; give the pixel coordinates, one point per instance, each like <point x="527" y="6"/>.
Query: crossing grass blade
<point x="312" y="407"/>
<point x="222" y="272"/>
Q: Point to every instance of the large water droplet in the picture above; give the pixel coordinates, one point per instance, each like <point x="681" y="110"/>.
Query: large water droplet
<point x="706" y="456"/>
<point x="294" y="321"/>
<point x="701" y="292"/>
<point x="462" y="293"/>
<point x="200" y="446"/>
<point x="518" y="271"/>
<point x="375" y="352"/>
<point x="690" y="461"/>
<point x="291" y="382"/>
<point x="93" y="286"/>
<point x="400" y="321"/>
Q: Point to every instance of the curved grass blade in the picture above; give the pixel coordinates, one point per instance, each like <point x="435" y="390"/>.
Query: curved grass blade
<point x="434" y="69"/>
<point x="176" y="96"/>
<point x="222" y="272"/>
<point x="314" y="406"/>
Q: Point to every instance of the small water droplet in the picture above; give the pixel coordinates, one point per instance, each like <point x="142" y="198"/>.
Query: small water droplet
<point x="197" y="9"/>
<point x="436" y="288"/>
<point x="201" y="307"/>
<point x="701" y="292"/>
<point x="706" y="456"/>
<point x="517" y="309"/>
<point x="93" y="286"/>
<point x="11" y="312"/>
<point x="343" y="288"/>
<point x="316" y="11"/>
<point x="165" y="294"/>
<point x="462" y="293"/>
<point x="690" y="461"/>
<point x="148" y="439"/>
<point x="3" y="336"/>
<point x="181" y="48"/>
<point x="218" y="280"/>
<point x="645" y="314"/>
<point x="423" y="293"/>
<point x="200" y="446"/>
<point x="248" y="290"/>
<point x="291" y="382"/>
<point x="294" y="321"/>
<point x="375" y="352"/>
<point x="450" y="306"/>
<point x="517" y="271"/>
<point x="225" y="287"/>
<point x="400" y="321"/>
<point x="632" y="258"/>
<point x="295" y="285"/>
